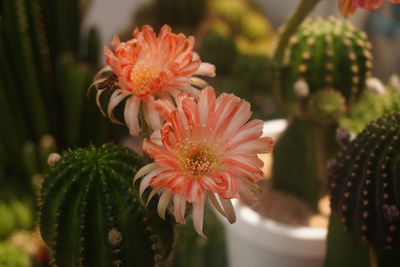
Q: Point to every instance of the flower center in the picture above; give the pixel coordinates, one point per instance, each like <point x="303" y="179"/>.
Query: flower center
<point x="140" y="76"/>
<point x="197" y="158"/>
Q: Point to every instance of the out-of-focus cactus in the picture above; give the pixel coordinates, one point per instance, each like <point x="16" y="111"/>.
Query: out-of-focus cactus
<point x="218" y="47"/>
<point x="325" y="54"/>
<point x="11" y="256"/>
<point x="327" y="64"/>
<point x="91" y="214"/>
<point x="39" y="94"/>
<point x="181" y="12"/>
<point x="15" y="215"/>
<point x="327" y="105"/>
<point x="365" y="197"/>
<point x="371" y="106"/>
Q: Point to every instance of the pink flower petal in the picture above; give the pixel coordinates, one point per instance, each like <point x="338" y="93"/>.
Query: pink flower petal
<point x="163" y="203"/>
<point x="179" y="208"/>
<point x="198" y="215"/>
<point x="131" y="115"/>
<point x="228" y="208"/>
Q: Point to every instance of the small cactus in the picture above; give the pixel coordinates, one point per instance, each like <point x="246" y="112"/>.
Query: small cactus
<point x="90" y="216"/>
<point x="370" y="107"/>
<point x="327" y="105"/>
<point x="326" y="54"/>
<point x="364" y="181"/>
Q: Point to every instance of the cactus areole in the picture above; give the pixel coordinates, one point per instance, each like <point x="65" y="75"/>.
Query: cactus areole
<point x="365" y="183"/>
<point x="89" y="215"/>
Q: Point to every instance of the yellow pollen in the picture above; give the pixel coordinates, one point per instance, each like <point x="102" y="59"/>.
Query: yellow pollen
<point x="140" y="76"/>
<point x="196" y="158"/>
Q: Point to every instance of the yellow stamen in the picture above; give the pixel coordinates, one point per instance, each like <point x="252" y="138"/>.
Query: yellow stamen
<point x="196" y="158"/>
<point x="141" y="76"/>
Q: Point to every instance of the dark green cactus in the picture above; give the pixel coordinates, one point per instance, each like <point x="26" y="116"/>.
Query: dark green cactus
<point x="325" y="54"/>
<point x="186" y="13"/>
<point x="90" y="215"/>
<point x="364" y="182"/>
<point x="218" y="47"/>
<point x="41" y="88"/>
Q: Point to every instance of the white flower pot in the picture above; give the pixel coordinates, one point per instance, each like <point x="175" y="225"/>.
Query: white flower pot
<point x="255" y="241"/>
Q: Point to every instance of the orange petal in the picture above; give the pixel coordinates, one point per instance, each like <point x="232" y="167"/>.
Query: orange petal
<point x="347" y="8"/>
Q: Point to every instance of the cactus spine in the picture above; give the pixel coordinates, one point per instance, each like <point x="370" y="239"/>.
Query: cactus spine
<point x="89" y="214"/>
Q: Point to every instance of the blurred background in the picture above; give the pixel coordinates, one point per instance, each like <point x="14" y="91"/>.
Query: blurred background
<point x="50" y="50"/>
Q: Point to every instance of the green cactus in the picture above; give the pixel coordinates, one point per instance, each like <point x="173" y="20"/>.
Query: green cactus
<point x="327" y="105"/>
<point x="364" y="179"/>
<point x="39" y="93"/>
<point x="325" y="54"/>
<point x="370" y="107"/>
<point x="364" y="189"/>
<point x="186" y="13"/>
<point x="15" y="214"/>
<point x="90" y="215"/>
<point x="327" y="65"/>
<point x="11" y="256"/>
<point x="218" y="47"/>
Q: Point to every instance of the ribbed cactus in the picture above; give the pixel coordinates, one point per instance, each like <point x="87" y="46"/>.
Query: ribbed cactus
<point x="325" y="54"/>
<point x="90" y="215"/>
<point x="327" y="62"/>
<point x="364" y="181"/>
<point x="42" y="90"/>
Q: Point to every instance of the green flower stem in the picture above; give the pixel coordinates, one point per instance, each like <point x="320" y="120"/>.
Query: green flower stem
<point x="303" y="10"/>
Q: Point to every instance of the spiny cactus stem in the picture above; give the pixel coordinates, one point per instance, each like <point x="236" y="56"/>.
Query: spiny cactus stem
<point x="373" y="256"/>
<point x="304" y="8"/>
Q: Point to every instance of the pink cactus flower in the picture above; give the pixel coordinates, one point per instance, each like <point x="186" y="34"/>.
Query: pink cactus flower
<point x="348" y="7"/>
<point x="205" y="149"/>
<point x="149" y="67"/>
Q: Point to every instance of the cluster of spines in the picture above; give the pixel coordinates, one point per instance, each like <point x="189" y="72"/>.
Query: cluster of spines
<point x="364" y="183"/>
<point x="329" y="54"/>
<point x="89" y="214"/>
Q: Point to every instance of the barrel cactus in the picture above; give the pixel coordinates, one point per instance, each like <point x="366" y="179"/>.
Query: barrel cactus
<point x="90" y="215"/>
<point x="325" y="54"/>
<point x="364" y="181"/>
<point x="327" y="62"/>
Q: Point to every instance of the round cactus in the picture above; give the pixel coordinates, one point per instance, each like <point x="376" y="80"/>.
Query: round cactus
<point x="327" y="54"/>
<point x="90" y="215"/>
<point x="364" y="183"/>
<point x="327" y="105"/>
<point x="370" y="106"/>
